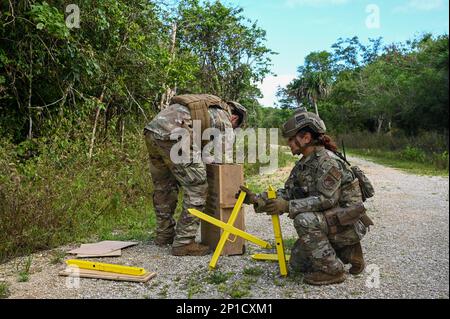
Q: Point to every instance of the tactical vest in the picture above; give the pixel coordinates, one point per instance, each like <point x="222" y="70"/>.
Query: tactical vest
<point x="302" y="182"/>
<point x="198" y="105"/>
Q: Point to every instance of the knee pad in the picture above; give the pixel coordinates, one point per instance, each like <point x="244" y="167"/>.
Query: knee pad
<point x="305" y="222"/>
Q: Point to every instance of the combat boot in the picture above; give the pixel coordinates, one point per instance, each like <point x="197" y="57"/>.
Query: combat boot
<point x="353" y="255"/>
<point x="319" y="278"/>
<point x="357" y="260"/>
<point x="164" y="239"/>
<point x="192" y="249"/>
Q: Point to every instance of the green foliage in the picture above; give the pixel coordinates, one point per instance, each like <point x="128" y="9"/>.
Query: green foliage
<point x="61" y="195"/>
<point x="429" y="149"/>
<point x="241" y="288"/>
<point x="24" y="272"/>
<point x="289" y="243"/>
<point x="224" y="42"/>
<point x="217" y="277"/>
<point x="121" y="61"/>
<point x="393" y="159"/>
<point x="253" y="271"/>
<point x="57" y="257"/>
<point x="4" y="290"/>
<point x="194" y="285"/>
<point x="50" y="19"/>
<point x="401" y="86"/>
<point x="413" y="154"/>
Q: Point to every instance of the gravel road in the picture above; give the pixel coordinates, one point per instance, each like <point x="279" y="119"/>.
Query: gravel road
<point x="407" y="252"/>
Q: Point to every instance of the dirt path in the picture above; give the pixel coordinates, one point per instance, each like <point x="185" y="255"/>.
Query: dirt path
<point x="407" y="252"/>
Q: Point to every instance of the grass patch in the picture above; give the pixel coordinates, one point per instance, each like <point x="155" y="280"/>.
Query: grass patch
<point x="194" y="285"/>
<point x="278" y="282"/>
<point x="4" y="290"/>
<point x="395" y="160"/>
<point x="24" y="272"/>
<point x="253" y="271"/>
<point x="237" y="289"/>
<point x="164" y="291"/>
<point x="289" y="243"/>
<point x="295" y="277"/>
<point x="57" y="257"/>
<point x="241" y="288"/>
<point x="217" y="277"/>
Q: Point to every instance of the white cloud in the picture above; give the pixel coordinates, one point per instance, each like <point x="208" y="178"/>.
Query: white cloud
<point x="420" y="5"/>
<point x="270" y="85"/>
<point x="314" y="3"/>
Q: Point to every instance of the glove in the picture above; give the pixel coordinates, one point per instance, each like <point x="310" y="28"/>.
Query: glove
<point x="250" y="198"/>
<point x="277" y="206"/>
<point x="260" y="204"/>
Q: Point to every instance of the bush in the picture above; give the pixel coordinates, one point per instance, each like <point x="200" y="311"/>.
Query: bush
<point x="428" y="147"/>
<point x="430" y="142"/>
<point x="58" y="195"/>
<point x="413" y="154"/>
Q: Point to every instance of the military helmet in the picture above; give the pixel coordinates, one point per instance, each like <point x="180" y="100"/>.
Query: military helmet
<point x="240" y="109"/>
<point x="302" y="119"/>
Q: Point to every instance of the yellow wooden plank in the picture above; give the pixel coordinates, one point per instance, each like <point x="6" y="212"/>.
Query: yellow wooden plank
<point x="85" y="264"/>
<point x="231" y="229"/>
<point x="279" y="244"/>
<point x="268" y="257"/>
<point x="86" y="273"/>
<point x="226" y="234"/>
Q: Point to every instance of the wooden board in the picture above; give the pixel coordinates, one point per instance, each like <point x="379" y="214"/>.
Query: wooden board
<point x="115" y="253"/>
<point x="223" y="183"/>
<point x="86" y="273"/>
<point x="232" y="176"/>
<point x="102" y="247"/>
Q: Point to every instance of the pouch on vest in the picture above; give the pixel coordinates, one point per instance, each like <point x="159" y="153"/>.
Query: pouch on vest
<point x="350" y="215"/>
<point x="366" y="186"/>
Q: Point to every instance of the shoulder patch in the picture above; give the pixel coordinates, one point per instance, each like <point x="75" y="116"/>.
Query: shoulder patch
<point x="335" y="172"/>
<point x="329" y="182"/>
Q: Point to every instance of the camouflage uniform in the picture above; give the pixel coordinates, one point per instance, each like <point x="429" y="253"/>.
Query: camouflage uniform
<point x="168" y="177"/>
<point x="319" y="182"/>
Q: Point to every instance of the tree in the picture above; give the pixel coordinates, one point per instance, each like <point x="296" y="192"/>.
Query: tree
<point x="313" y="83"/>
<point x="229" y="49"/>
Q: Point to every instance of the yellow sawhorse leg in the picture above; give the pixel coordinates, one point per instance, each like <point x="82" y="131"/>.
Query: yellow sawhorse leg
<point x="280" y="256"/>
<point x="228" y="229"/>
<point x="268" y="257"/>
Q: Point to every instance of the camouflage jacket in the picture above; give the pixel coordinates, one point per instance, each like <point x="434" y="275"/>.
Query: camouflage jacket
<point x="177" y="116"/>
<point x="320" y="181"/>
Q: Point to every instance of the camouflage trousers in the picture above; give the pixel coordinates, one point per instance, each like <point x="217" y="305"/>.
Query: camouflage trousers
<point x="315" y="249"/>
<point x="168" y="178"/>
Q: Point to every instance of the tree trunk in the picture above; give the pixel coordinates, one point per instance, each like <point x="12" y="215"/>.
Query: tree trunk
<point x="315" y="107"/>
<point x="91" y="147"/>
<point x="122" y="131"/>
<point x="169" y="93"/>
<point x="380" y="124"/>
<point x="94" y="129"/>
<point x="30" y="93"/>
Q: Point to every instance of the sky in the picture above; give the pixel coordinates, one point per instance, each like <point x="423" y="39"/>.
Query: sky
<point x="296" y="28"/>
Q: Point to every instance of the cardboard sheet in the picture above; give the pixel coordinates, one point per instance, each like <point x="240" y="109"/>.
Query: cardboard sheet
<point x="115" y="253"/>
<point x="101" y="248"/>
